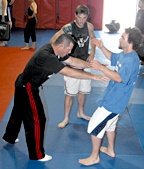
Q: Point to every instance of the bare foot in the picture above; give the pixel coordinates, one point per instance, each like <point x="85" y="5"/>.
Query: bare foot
<point x="107" y="151"/>
<point x="83" y="116"/>
<point x="63" y="124"/>
<point x="33" y="47"/>
<point x="25" y="48"/>
<point x="89" y="161"/>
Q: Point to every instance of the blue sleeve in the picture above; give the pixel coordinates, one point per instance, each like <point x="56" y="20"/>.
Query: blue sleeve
<point x="114" y="58"/>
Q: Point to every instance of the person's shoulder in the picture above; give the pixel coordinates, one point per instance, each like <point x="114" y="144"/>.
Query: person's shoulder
<point x="89" y="23"/>
<point x="34" y="4"/>
<point x="67" y="28"/>
<point x="67" y="25"/>
<point x="90" y="26"/>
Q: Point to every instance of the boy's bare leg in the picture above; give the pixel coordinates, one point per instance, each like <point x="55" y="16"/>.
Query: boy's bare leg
<point x="111" y="141"/>
<point x="81" y="102"/>
<point x="94" y="157"/>
<point x="67" y="108"/>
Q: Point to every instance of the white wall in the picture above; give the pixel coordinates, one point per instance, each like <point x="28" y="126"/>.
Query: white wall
<point x="123" y="11"/>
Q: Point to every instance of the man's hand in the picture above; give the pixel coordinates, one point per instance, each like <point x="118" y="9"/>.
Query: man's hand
<point x="96" y="65"/>
<point x="97" y="42"/>
<point x="10" y="23"/>
<point x="90" y="58"/>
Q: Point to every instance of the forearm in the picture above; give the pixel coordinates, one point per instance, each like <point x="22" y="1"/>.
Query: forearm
<point x="79" y="74"/>
<point x="92" y="52"/>
<point x="106" y="52"/>
<point x="113" y="75"/>
<point x="33" y="15"/>
<point x="100" y="45"/>
<point x="93" y="46"/>
<point x="77" y="63"/>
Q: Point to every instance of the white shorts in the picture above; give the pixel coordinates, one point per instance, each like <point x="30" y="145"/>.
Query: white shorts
<point x="73" y="86"/>
<point x="101" y="121"/>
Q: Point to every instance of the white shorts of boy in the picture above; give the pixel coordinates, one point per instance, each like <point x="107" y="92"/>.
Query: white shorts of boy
<point x="73" y="86"/>
<point x="101" y="121"/>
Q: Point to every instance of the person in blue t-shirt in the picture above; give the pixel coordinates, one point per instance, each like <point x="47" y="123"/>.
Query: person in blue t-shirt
<point x="117" y="94"/>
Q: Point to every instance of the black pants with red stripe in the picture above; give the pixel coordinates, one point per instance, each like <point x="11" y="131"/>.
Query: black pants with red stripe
<point x="28" y="109"/>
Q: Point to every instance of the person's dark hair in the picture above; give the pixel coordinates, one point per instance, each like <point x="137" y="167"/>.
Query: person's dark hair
<point x="135" y="37"/>
<point x="64" y="38"/>
<point x="82" y="9"/>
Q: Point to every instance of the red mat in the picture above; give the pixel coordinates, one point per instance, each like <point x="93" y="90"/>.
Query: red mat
<point x="12" y="62"/>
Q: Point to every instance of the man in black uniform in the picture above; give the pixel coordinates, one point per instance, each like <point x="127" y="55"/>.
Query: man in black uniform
<point x="28" y="106"/>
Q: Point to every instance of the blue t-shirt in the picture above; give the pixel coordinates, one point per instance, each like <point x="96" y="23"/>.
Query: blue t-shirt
<point x="117" y="95"/>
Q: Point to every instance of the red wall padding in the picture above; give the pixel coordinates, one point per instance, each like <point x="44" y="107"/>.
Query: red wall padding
<point x="56" y="13"/>
<point x="46" y="13"/>
<point x="96" y="13"/>
<point x="18" y="12"/>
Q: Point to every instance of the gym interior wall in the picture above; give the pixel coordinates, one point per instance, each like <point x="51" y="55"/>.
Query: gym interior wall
<point x="54" y="14"/>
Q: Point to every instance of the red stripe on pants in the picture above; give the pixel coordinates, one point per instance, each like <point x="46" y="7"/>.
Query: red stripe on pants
<point x="35" y="119"/>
